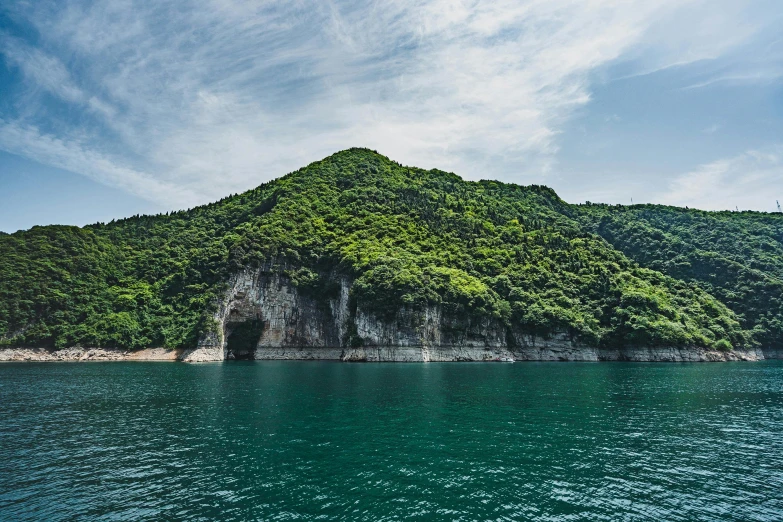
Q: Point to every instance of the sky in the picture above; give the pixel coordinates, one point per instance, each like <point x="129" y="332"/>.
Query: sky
<point x="117" y="107"/>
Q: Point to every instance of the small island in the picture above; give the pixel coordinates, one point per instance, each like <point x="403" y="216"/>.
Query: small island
<point x="359" y="258"/>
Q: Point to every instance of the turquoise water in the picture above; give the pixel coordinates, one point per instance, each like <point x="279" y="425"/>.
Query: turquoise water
<point x="440" y="441"/>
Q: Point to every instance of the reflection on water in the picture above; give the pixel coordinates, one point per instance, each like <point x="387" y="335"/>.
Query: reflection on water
<point x="452" y="441"/>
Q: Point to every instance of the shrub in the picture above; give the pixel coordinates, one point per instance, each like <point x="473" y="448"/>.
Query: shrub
<point x="723" y="345"/>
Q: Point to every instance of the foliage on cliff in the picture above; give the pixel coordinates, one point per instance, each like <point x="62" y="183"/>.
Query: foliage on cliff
<point x="408" y="238"/>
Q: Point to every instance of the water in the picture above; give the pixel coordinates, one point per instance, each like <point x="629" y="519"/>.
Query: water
<point x="441" y="441"/>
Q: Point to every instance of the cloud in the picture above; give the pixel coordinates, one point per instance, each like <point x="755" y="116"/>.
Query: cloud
<point x="205" y="98"/>
<point x="30" y="142"/>
<point x="754" y="77"/>
<point x="738" y="182"/>
<point x="40" y="70"/>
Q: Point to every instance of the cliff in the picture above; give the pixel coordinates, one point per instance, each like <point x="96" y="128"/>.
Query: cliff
<point x="297" y="326"/>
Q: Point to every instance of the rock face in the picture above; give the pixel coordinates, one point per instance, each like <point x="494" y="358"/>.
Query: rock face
<point x="296" y="325"/>
<point x="772" y="353"/>
<point x="289" y="318"/>
<point x="86" y="354"/>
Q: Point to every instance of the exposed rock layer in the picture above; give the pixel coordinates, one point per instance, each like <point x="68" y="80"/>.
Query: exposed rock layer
<point x="87" y="354"/>
<point x="394" y="354"/>
<point x="297" y="325"/>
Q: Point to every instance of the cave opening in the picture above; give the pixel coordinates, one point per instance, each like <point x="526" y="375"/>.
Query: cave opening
<point x="243" y="339"/>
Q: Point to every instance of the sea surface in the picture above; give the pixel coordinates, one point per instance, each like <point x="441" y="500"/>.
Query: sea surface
<point x="396" y="441"/>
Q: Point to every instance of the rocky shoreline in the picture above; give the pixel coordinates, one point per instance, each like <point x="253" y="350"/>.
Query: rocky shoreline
<point x="22" y="354"/>
<point x="469" y="354"/>
<point x="392" y="354"/>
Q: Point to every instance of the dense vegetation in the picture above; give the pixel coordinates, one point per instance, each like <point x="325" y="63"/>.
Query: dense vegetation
<point x="735" y="256"/>
<point x="609" y="276"/>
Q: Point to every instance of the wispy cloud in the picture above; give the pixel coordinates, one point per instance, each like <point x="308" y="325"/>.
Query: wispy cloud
<point x="40" y="69"/>
<point x="182" y="103"/>
<point x="737" y="182"/>
<point x="70" y="155"/>
<point x="758" y="76"/>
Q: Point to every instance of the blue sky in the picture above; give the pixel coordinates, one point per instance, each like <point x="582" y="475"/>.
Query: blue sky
<point x="118" y="107"/>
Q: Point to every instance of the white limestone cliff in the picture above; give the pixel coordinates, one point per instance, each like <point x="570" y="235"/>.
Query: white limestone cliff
<point x="299" y="326"/>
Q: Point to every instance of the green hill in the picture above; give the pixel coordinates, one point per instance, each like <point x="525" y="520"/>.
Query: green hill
<point x="735" y="256"/>
<point x="610" y="276"/>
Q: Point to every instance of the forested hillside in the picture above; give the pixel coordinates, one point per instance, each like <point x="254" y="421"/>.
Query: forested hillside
<point x="735" y="256"/>
<point x="608" y="275"/>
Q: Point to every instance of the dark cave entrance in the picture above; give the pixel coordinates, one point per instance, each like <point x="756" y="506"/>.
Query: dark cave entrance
<point x="243" y="339"/>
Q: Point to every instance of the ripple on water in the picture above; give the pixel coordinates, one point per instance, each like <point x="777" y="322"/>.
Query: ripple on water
<point x="325" y="441"/>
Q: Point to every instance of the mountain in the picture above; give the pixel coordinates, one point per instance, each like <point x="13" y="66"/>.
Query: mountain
<point x="357" y="254"/>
